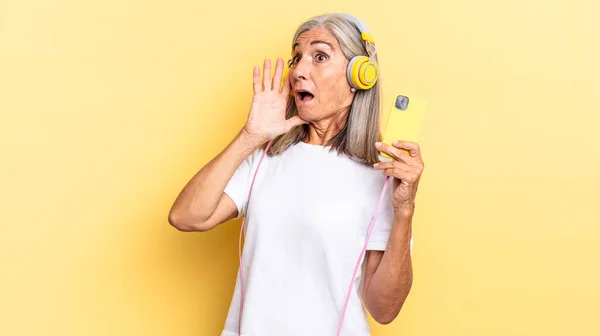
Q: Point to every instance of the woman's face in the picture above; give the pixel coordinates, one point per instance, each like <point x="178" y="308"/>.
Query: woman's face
<point x="318" y="76"/>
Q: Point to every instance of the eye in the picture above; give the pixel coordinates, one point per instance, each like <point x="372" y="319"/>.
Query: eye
<point x="294" y="60"/>
<point x="321" y="57"/>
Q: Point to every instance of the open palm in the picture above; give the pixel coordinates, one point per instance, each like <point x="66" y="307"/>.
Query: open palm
<point x="267" y="112"/>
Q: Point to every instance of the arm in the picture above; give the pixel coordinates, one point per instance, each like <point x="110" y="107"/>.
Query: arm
<point x="388" y="277"/>
<point x="202" y="204"/>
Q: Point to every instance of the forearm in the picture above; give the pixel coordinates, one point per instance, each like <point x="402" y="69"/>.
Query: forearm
<point x="200" y="196"/>
<point x="392" y="280"/>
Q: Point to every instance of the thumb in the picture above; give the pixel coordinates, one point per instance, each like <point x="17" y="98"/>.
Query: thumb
<point x="294" y="121"/>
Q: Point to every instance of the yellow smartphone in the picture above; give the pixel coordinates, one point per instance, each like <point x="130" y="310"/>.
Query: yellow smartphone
<point x="404" y="120"/>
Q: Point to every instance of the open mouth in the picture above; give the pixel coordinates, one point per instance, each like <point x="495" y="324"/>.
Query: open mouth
<point x="304" y="96"/>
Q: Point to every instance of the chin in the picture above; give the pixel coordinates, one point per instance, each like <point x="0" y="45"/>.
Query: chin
<point x="307" y="113"/>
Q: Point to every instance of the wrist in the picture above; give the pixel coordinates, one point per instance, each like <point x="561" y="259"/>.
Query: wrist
<point x="249" y="139"/>
<point x="403" y="224"/>
<point x="404" y="211"/>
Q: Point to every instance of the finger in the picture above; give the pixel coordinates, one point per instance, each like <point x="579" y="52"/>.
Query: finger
<point x="410" y="177"/>
<point x="267" y="75"/>
<point x="396" y="153"/>
<point x="387" y="165"/>
<point x="402" y="173"/>
<point x="286" y="87"/>
<point x="278" y="73"/>
<point x="394" y="165"/>
<point x="401" y="170"/>
<point x="256" y="80"/>
<point x="411" y="147"/>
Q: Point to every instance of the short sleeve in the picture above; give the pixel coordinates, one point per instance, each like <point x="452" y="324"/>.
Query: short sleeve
<point x="238" y="186"/>
<point x="383" y="225"/>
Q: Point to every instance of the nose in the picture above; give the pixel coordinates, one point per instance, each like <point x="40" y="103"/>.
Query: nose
<point x="301" y="70"/>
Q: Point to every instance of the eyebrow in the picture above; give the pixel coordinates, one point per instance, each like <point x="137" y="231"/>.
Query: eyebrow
<point x="315" y="42"/>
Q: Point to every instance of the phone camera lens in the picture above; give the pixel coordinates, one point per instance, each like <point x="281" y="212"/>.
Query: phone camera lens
<point x="401" y="102"/>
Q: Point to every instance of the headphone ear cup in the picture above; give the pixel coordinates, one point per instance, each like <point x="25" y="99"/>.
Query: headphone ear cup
<point x="362" y="73"/>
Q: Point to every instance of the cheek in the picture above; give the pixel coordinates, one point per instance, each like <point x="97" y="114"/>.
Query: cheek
<point x="335" y="88"/>
<point x="341" y="92"/>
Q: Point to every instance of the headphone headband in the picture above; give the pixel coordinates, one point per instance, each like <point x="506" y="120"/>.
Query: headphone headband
<point x="366" y="34"/>
<point x="362" y="71"/>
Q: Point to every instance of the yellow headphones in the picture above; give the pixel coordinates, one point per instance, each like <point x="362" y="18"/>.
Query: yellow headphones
<point x="363" y="71"/>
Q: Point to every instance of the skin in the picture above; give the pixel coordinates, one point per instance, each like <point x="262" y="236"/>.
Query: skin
<point x="318" y="65"/>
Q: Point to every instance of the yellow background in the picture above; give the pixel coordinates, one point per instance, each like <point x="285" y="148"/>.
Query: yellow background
<point x="109" y="107"/>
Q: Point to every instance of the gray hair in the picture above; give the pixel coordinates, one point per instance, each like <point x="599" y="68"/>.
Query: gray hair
<point x="361" y="129"/>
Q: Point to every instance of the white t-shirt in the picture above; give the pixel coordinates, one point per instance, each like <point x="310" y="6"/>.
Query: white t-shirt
<point x="307" y="220"/>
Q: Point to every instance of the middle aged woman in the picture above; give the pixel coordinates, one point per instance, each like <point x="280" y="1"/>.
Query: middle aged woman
<point x="309" y="206"/>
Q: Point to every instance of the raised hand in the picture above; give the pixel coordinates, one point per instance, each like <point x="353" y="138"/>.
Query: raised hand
<point x="266" y="119"/>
